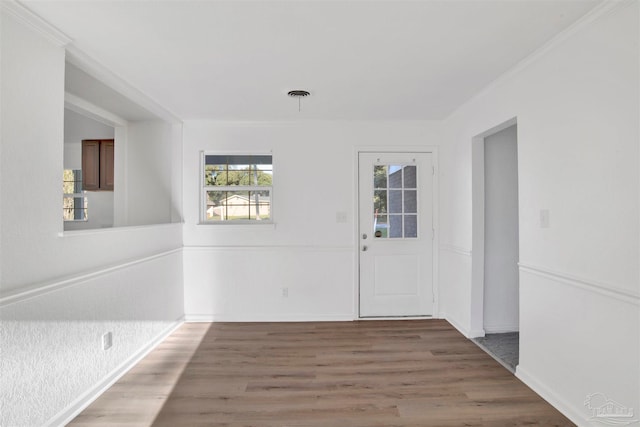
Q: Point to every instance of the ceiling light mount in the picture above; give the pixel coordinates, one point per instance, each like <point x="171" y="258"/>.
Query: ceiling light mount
<point x="298" y="94"/>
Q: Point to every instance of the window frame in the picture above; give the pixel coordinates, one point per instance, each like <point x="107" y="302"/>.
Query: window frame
<point x="205" y="188"/>
<point x="81" y="195"/>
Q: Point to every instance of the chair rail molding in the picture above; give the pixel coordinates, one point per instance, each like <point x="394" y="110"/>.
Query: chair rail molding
<point x="605" y="289"/>
<point x="455" y="249"/>
<point x="72" y="280"/>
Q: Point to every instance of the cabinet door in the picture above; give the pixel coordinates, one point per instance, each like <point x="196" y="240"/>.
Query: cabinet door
<point x="91" y="165"/>
<point x="106" y="165"/>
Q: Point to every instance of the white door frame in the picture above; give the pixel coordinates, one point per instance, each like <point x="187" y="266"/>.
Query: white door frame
<point x="433" y="150"/>
<point x="476" y="320"/>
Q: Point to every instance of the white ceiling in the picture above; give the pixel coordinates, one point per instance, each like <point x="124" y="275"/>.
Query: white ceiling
<point x="78" y="82"/>
<point x="361" y="60"/>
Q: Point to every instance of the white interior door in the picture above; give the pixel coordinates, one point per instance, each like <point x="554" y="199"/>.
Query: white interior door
<point x="396" y="234"/>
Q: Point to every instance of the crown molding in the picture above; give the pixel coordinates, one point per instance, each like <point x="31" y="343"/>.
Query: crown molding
<point x="598" y="12"/>
<point x="33" y="21"/>
<point x="92" y="67"/>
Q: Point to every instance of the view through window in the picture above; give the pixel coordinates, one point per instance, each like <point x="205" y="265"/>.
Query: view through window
<point x="74" y="203"/>
<point x="237" y="188"/>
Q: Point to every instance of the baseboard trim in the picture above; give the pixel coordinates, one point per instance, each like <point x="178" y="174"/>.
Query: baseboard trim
<point x="210" y="318"/>
<point x="476" y="333"/>
<point x="500" y="329"/>
<point x="81" y="403"/>
<point x="552" y="398"/>
<point x="468" y="333"/>
<point x="369" y="318"/>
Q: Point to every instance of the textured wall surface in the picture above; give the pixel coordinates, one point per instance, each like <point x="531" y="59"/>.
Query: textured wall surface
<point x="52" y="343"/>
<point x="60" y="293"/>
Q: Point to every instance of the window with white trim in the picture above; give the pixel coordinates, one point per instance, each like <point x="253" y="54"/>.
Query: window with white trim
<point x="74" y="201"/>
<point x="237" y="188"/>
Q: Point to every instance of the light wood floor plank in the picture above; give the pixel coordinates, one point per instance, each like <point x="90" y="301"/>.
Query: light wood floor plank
<point x="374" y="373"/>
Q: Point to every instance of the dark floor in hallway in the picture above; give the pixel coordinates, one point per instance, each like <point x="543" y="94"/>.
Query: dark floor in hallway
<point x="503" y="347"/>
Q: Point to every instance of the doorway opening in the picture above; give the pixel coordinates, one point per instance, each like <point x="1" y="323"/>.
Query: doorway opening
<point x="495" y="282"/>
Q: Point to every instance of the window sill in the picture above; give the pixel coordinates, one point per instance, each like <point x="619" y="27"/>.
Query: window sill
<point x="238" y="225"/>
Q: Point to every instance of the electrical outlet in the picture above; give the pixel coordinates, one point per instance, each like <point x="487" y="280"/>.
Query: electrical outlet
<point x="107" y="341"/>
<point x="285" y="292"/>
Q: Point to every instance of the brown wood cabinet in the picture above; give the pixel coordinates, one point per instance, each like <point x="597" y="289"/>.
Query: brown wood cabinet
<point x="97" y="164"/>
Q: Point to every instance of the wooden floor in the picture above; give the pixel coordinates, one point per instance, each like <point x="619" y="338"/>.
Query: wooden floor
<point x="369" y="373"/>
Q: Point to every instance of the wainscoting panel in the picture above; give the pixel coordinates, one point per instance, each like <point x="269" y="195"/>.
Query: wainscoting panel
<point x="54" y="362"/>
<point x="577" y="339"/>
<point x="455" y="276"/>
<point x="269" y="283"/>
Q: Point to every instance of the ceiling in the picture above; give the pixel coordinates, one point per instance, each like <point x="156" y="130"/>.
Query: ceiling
<point x="79" y="83"/>
<point x="361" y="60"/>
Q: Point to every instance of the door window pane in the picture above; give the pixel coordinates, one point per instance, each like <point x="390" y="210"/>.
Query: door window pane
<point x="395" y="176"/>
<point x="395" y="201"/>
<point x="380" y="176"/>
<point x="395" y="226"/>
<point x="410" y="201"/>
<point x="410" y="177"/>
<point x="410" y="226"/>
<point x="380" y="201"/>
<point x="381" y="226"/>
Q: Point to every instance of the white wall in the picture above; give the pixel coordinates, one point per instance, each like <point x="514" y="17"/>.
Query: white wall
<point x="238" y="272"/>
<point x="149" y="166"/>
<point x="60" y="292"/>
<point x="100" y="203"/>
<point x="577" y="110"/>
<point x="52" y="342"/>
<point x="78" y="127"/>
<point x="32" y="120"/>
<point x="501" y="232"/>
